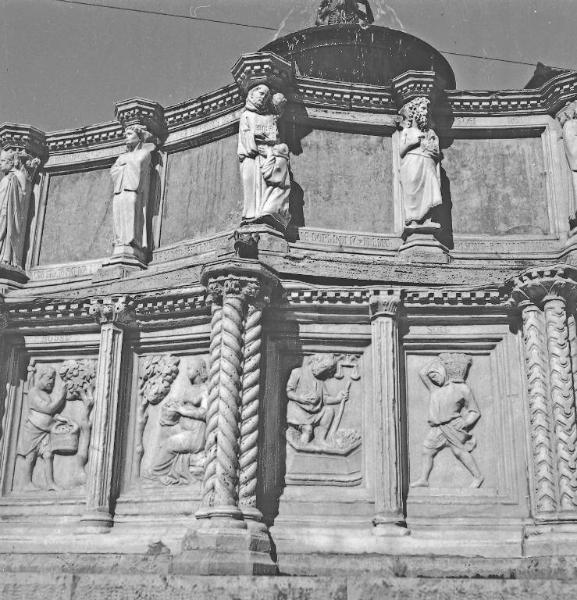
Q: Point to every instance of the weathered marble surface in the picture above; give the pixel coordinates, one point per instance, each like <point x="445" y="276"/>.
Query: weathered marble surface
<point x="203" y="191"/>
<point x="331" y="166"/>
<point x="497" y="186"/>
<point x="78" y="221"/>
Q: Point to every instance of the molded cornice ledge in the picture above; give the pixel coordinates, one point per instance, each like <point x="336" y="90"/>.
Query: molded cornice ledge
<point x="262" y="67"/>
<point x="140" y="111"/>
<point x="24" y="138"/>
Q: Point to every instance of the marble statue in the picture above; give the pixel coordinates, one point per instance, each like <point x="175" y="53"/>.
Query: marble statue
<point x="15" y="189"/>
<point x="310" y="410"/>
<point x="420" y="164"/>
<point x="182" y="427"/>
<point x="264" y="160"/>
<point x="568" y="120"/>
<point x="46" y="432"/>
<point x="453" y="412"/>
<point x="336" y="12"/>
<point x="131" y="177"/>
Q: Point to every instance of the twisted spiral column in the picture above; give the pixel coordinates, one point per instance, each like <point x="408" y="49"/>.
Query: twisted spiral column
<point x="562" y="396"/>
<point x="249" y="416"/>
<point x="212" y="409"/>
<point x="227" y="443"/>
<point x="536" y="369"/>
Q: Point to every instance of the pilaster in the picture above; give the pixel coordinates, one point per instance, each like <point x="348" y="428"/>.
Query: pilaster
<point x="384" y="310"/>
<point x="114" y="315"/>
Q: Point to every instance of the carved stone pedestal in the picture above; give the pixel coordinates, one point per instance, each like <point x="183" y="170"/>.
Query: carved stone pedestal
<point x="269" y="238"/>
<point x="11" y="278"/>
<point x="121" y="264"/>
<point x="421" y="245"/>
<point x="227" y="547"/>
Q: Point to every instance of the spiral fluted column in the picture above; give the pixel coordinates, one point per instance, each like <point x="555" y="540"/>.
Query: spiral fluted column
<point x="249" y="417"/>
<point x="563" y="399"/>
<point x="550" y="362"/>
<point x="231" y="449"/>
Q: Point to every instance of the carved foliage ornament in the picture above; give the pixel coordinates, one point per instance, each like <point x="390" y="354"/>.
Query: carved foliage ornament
<point x="246" y="288"/>
<point x="119" y="310"/>
<point x="536" y="286"/>
<point x="342" y="12"/>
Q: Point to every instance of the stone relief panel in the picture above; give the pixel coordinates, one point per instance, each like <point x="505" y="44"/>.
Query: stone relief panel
<point x="53" y="438"/>
<point x="324" y="420"/>
<point x="465" y="422"/>
<point x="171" y="419"/>
<point x="452" y="414"/>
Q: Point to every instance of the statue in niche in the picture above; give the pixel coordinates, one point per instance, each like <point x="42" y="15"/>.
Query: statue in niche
<point x="313" y="424"/>
<point x="131" y="177"/>
<point x="180" y="447"/>
<point x="420" y="165"/>
<point x="18" y="170"/>
<point x="264" y="160"/>
<point x="453" y="412"/>
<point x="79" y="378"/>
<point x="46" y="432"/>
<point x="568" y="120"/>
<point x="337" y="12"/>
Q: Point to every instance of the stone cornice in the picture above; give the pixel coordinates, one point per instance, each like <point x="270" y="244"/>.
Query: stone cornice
<point x="145" y="308"/>
<point x="409" y="298"/>
<point x="549" y="99"/>
<point x="24" y="138"/>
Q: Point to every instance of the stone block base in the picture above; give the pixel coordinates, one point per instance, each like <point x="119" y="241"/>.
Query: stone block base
<point x="424" y="247"/>
<point x="11" y="278"/>
<point x="222" y="549"/>
<point x="119" y="266"/>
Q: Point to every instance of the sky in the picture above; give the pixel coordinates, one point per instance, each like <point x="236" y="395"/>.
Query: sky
<point x="64" y="66"/>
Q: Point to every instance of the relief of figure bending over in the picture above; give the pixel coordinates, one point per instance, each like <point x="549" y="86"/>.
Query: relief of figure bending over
<point x="315" y="410"/>
<point x="453" y="412"/>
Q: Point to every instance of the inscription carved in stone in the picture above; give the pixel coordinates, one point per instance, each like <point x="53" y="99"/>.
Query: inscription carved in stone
<point x="453" y="412"/>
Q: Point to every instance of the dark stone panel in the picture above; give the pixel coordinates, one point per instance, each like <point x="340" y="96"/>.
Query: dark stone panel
<point x="497" y="186"/>
<point x="78" y="220"/>
<point x="346" y="181"/>
<point x="203" y="191"/>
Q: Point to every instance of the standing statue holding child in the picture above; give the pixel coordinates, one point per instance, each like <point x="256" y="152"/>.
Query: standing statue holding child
<point x="264" y="159"/>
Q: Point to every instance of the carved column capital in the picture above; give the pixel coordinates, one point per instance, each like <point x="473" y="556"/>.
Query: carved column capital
<point x="537" y="286"/>
<point x="118" y="310"/>
<point x="143" y="112"/>
<point x="387" y="303"/>
<point x="265" y="68"/>
<point x="411" y="85"/>
<point x="247" y="280"/>
<point x="24" y="140"/>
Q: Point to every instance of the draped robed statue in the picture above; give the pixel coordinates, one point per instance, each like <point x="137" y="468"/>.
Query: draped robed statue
<point x="264" y="160"/>
<point x="18" y="171"/>
<point x="420" y="164"/>
<point x="131" y="178"/>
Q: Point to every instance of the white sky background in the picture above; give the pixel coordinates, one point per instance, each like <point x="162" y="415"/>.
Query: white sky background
<point x="63" y="66"/>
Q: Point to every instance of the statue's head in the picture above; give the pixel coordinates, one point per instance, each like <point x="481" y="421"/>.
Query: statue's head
<point x="279" y="102"/>
<point x="45" y="378"/>
<point x="258" y="97"/>
<point x="437" y="374"/>
<point x="416" y="113"/>
<point x="135" y="135"/>
<point x="323" y="366"/>
<point x="568" y="113"/>
<point x="196" y="370"/>
<point x="7" y="161"/>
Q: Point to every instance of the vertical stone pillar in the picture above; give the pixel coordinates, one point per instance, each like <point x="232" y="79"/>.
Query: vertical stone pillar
<point x="232" y="538"/>
<point x="550" y="347"/>
<point x="389" y="518"/>
<point x="114" y="316"/>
